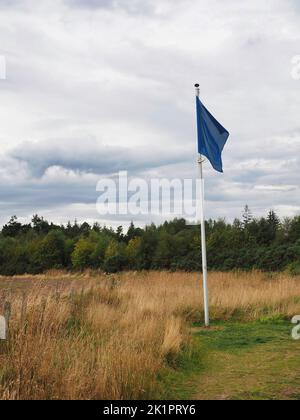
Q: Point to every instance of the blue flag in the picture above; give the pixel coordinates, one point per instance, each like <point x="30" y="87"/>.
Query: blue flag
<point x="212" y="137"/>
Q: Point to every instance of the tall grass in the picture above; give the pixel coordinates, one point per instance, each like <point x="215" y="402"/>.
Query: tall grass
<point x="92" y="336"/>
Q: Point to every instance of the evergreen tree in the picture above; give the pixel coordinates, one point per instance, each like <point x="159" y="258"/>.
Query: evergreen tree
<point x="247" y="216"/>
<point x="263" y="243"/>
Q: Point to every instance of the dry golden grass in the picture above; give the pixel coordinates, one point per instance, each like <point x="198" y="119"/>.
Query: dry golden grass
<point x="92" y="336"/>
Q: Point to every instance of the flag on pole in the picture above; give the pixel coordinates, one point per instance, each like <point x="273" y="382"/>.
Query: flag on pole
<point x="212" y="136"/>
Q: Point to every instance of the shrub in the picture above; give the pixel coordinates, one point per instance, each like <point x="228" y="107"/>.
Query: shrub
<point x="115" y="258"/>
<point x="294" y="269"/>
<point x="82" y="254"/>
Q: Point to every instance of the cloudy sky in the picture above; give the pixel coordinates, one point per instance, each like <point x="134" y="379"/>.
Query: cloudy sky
<point x="98" y="86"/>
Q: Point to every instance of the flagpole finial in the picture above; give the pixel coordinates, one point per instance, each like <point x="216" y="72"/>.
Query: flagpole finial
<point x="197" y="86"/>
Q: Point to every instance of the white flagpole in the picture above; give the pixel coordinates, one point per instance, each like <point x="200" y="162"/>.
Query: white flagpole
<point x="203" y="234"/>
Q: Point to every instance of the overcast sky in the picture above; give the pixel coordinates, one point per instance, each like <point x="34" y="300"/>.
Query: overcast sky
<point x="97" y="86"/>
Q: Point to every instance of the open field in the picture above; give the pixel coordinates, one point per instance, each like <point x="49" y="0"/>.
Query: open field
<point x="137" y="336"/>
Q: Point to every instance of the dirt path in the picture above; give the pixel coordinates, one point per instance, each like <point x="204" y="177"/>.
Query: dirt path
<point x="248" y="361"/>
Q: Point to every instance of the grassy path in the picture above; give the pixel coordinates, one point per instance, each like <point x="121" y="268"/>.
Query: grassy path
<point x="254" y="361"/>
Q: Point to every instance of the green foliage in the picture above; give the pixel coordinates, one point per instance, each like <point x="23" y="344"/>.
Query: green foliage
<point x="267" y="244"/>
<point x="82" y="254"/>
<point x="294" y="269"/>
<point x="115" y="257"/>
<point x="133" y="251"/>
<point x="51" y="251"/>
<point x="101" y="244"/>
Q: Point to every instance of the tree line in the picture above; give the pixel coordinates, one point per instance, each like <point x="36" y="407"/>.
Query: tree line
<point x="266" y="243"/>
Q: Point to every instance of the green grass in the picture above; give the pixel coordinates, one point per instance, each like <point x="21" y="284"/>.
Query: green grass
<point x="178" y="381"/>
<point x="238" y="361"/>
<point x="237" y="337"/>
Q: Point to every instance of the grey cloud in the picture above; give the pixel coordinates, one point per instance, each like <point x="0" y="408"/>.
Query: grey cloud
<point x="90" y="156"/>
<point x="92" y="3"/>
<point x="135" y="7"/>
<point x="131" y="6"/>
<point x="295" y="4"/>
<point x="11" y="3"/>
<point x="70" y="75"/>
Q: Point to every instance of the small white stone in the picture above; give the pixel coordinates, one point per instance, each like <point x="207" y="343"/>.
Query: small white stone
<point x="2" y="328"/>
